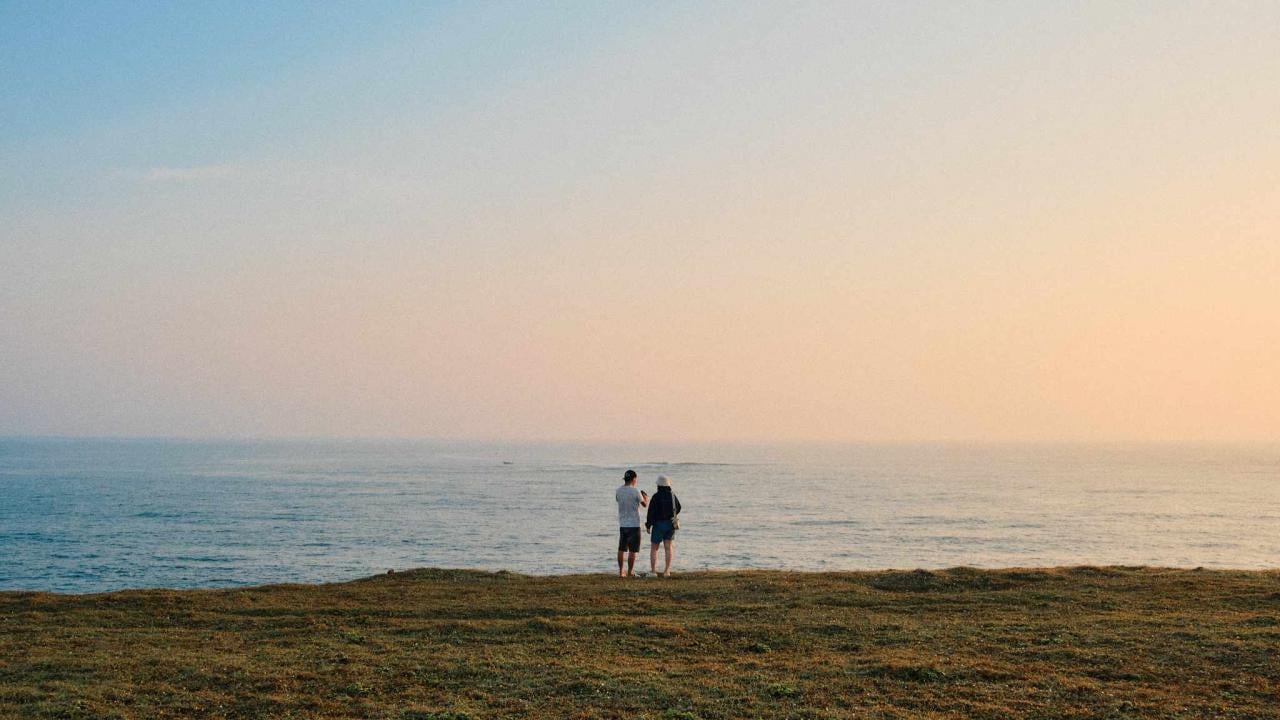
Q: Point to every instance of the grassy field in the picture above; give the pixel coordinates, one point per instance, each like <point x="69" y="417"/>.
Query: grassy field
<point x="1059" y="643"/>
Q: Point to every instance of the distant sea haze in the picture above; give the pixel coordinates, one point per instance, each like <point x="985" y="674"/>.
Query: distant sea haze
<point x="96" y="515"/>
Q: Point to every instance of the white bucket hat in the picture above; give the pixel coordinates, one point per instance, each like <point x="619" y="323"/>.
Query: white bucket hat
<point x="663" y="481"/>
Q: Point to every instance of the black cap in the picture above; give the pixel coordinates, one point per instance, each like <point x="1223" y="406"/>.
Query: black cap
<point x="630" y="475"/>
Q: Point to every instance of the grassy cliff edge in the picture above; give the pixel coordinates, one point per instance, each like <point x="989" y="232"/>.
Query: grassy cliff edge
<point x="448" y="644"/>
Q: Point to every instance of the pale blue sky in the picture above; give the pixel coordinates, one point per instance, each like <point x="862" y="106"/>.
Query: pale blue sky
<point x="678" y="221"/>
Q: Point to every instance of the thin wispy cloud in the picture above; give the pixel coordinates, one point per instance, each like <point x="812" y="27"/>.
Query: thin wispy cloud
<point x="189" y="174"/>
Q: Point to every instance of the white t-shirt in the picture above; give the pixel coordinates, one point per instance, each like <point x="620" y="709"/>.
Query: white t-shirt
<point x="628" y="506"/>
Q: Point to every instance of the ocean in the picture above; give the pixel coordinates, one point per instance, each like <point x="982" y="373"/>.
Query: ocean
<point x="96" y="515"/>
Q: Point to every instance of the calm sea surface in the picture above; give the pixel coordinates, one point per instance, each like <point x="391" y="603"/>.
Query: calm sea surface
<point x="83" y="516"/>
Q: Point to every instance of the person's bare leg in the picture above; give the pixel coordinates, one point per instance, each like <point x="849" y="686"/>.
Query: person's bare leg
<point x="620" y="554"/>
<point x="631" y="564"/>
<point x="653" y="558"/>
<point x="670" y="553"/>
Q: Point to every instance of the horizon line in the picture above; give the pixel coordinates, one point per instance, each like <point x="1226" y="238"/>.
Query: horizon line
<point x="633" y="441"/>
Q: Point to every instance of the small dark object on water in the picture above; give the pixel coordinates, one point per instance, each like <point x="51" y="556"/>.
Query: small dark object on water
<point x="391" y="572"/>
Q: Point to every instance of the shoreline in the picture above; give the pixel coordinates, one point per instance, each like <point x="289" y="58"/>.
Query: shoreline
<point x="436" y="644"/>
<point x="711" y="572"/>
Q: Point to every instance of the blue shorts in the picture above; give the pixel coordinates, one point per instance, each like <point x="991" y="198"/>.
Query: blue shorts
<point x="662" y="530"/>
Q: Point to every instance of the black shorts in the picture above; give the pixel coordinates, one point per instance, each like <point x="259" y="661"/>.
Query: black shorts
<point x="629" y="539"/>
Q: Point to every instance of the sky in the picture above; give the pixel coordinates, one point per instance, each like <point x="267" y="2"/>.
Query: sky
<point x="738" y="222"/>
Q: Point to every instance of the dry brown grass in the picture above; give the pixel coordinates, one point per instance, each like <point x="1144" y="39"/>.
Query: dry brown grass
<point x="1059" y="643"/>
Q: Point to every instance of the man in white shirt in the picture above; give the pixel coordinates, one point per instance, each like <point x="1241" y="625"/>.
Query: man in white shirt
<point x="630" y="500"/>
